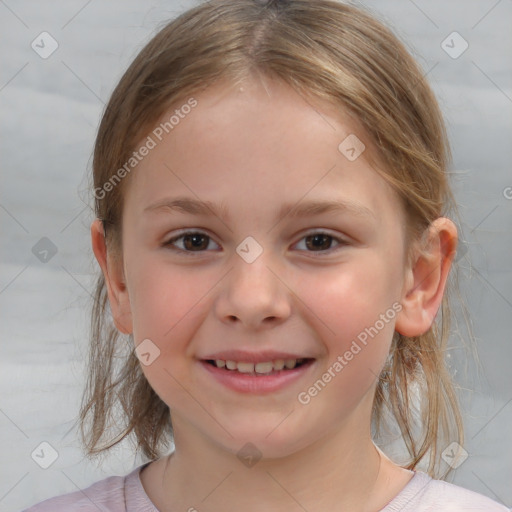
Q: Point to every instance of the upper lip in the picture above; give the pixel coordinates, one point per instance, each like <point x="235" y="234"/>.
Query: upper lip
<point x="252" y="357"/>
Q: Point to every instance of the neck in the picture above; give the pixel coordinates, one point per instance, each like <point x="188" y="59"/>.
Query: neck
<point x="338" y="472"/>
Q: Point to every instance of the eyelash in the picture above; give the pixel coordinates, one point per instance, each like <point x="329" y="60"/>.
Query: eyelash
<point x="169" y="243"/>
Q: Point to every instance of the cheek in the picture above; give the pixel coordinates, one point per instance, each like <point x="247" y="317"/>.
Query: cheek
<point x="355" y="309"/>
<point x="168" y="303"/>
<point x="351" y="298"/>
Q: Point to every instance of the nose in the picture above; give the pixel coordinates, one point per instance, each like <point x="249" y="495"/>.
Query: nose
<point x="253" y="295"/>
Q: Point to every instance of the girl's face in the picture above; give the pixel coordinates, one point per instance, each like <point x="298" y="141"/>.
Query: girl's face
<point x="255" y="281"/>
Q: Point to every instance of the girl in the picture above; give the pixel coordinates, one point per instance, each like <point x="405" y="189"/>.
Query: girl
<point x="243" y="135"/>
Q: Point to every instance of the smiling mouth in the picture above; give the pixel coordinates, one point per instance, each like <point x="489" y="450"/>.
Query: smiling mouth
<point x="256" y="369"/>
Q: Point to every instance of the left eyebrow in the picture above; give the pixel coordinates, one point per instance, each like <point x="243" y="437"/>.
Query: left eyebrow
<point x="304" y="209"/>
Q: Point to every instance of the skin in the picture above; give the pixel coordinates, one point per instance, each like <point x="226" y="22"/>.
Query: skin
<point x="256" y="147"/>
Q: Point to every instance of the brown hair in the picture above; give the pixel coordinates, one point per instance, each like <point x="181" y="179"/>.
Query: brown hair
<point x="325" y="49"/>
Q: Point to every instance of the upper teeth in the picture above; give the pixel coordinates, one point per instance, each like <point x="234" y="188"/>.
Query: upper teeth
<point x="265" y="367"/>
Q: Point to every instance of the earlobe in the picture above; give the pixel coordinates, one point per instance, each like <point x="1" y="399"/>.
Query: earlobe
<point x="114" y="279"/>
<point x="425" y="281"/>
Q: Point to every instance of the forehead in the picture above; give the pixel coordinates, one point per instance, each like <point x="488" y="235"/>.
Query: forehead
<point x="256" y="145"/>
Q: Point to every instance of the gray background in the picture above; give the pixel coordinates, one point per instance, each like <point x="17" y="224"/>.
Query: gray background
<point x="50" y="112"/>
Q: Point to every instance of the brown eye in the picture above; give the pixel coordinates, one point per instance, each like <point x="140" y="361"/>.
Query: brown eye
<point x="191" y="241"/>
<point x="322" y="242"/>
<point x="195" y="241"/>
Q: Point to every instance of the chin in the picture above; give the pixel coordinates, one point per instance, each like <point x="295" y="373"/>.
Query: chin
<point x="263" y="439"/>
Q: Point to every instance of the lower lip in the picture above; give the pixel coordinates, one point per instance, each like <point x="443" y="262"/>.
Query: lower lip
<point x="250" y="383"/>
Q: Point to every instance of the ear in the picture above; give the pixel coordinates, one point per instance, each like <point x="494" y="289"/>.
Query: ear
<point x="426" y="279"/>
<point x="114" y="279"/>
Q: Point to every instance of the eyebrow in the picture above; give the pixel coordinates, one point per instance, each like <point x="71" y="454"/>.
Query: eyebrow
<point x="303" y="209"/>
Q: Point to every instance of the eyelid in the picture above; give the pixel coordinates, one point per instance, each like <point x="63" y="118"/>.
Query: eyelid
<point x="342" y="241"/>
<point x="182" y="233"/>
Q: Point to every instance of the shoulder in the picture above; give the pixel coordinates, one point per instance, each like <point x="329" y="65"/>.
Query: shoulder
<point x="424" y="494"/>
<point x="105" y="495"/>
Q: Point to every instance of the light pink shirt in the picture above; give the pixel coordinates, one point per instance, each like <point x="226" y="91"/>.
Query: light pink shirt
<point x="126" y="494"/>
